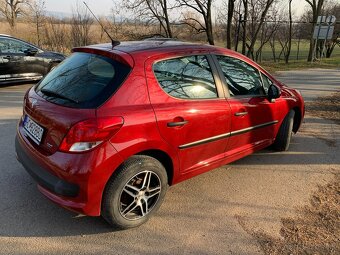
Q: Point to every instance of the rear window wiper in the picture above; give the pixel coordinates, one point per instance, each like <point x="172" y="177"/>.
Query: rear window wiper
<point x="51" y="93"/>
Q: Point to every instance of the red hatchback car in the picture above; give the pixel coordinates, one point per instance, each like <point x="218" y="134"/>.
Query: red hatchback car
<point x="110" y="128"/>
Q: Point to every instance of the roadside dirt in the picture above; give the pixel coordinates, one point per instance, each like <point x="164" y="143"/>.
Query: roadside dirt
<point x="315" y="230"/>
<point x="327" y="107"/>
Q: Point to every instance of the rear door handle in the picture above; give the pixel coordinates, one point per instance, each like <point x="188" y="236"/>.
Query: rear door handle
<point x="7" y="57"/>
<point x="240" y="113"/>
<point x="177" y="124"/>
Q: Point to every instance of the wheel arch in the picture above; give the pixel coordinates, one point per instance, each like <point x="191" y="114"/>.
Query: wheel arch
<point x="165" y="160"/>
<point x="297" y="119"/>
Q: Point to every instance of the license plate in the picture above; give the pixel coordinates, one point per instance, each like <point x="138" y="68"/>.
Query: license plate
<point x="33" y="130"/>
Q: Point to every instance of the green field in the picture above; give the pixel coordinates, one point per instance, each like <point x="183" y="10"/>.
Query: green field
<point x="328" y="63"/>
<point x="294" y="55"/>
<point x="296" y="61"/>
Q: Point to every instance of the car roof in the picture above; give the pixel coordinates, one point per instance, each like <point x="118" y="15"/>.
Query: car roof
<point x="151" y="45"/>
<point x="131" y="50"/>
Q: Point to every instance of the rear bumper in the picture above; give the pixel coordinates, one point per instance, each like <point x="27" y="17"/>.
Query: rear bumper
<point x="43" y="177"/>
<point x="73" y="181"/>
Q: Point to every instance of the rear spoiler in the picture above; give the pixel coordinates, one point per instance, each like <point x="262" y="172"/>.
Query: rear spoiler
<point x="120" y="56"/>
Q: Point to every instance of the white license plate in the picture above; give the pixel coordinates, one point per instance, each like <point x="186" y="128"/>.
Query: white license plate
<point x="33" y="130"/>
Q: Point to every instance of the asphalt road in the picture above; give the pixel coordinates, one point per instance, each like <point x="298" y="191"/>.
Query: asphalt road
<point x="214" y="213"/>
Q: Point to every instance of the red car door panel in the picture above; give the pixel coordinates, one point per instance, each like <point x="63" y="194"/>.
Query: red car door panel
<point x="253" y="117"/>
<point x="198" y="128"/>
<point x="253" y="122"/>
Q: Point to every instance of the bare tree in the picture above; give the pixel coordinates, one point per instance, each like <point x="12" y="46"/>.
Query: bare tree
<point x="259" y="8"/>
<point x="11" y="9"/>
<point x="80" y="26"/>
<point x="153" y="10"/>
<point x="316" y="6"/>
<point x="37" y="9"/>
<point x="203" y="8"/>
<point x="333" y="9"/>
<point x="56" y="34"/>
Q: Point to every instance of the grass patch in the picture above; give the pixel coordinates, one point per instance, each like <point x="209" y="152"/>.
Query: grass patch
<point x="329" y="63"/>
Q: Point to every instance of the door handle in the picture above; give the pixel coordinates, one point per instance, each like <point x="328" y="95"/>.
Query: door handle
<point x="177" y="124"/>
<point x="240" y="113"/>
<point x="7" y="57"/>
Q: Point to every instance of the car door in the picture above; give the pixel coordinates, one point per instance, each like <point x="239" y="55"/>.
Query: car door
<point x="254" y="118"/>
<point x="15" y="63"/>
<point x="191" y="111"/>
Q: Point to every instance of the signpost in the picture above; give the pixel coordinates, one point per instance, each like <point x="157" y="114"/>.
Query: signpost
<point x="323" y="30"/>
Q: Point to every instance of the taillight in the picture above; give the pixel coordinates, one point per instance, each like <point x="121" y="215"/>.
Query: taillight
<point x="87" y="134"/>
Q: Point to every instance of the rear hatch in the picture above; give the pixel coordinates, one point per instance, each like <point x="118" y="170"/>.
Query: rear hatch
<point x="70" y="93"/>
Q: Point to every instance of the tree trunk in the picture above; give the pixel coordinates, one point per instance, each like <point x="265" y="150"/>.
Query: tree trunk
<point x="263" y="16"/>
<point x="316" y="8"/>
<point x="208" y="23"/>
<point x="244" y="36"/>
<point x="231" y="7"/>
<point x="165" y="10"/>
<point x="289" y="47"/>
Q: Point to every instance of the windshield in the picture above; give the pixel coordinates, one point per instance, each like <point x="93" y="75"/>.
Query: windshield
<point x="83" y="80"/>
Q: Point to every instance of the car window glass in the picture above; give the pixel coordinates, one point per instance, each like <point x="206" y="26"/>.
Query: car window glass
<point x="187" y="77"/>
<point x="266" y="82"/>
<point x="83" y="80"/>
<point x="242" y="78"/>
<point x="13" y="46"/>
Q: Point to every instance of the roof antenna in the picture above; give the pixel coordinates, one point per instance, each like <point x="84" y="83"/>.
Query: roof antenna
<point x="113" y="42"/>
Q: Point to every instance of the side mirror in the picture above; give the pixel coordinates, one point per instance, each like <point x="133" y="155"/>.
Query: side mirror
<point x="273" y="93"/>
<point x="31" y="52"/>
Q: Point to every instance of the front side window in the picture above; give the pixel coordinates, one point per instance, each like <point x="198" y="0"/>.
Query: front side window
<point x="186" y="77"/>
<point x="266" y="82"/>
<point x="13" y="46"/>
<point x="242" y="78"/>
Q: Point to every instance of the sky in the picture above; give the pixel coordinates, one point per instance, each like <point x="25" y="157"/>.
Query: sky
<point x="100" y="7"/>
<point x="103" y="7"/>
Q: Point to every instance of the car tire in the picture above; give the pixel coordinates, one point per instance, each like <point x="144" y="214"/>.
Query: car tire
<point x="134" y="192"/>
<point x="284" y="134"/>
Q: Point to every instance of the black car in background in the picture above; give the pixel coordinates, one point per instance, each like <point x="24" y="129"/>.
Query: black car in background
<point x="22" y="61"/>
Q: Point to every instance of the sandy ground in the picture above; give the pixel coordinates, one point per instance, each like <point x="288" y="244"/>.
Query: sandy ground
<point x="214" y="213"/>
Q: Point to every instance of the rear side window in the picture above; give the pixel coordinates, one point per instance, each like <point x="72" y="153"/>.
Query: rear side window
<point x="187" y="77"/>
<point x="83" y="81"/>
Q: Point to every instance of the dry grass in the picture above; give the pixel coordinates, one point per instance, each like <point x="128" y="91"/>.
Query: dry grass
<point x="326" y="107"/>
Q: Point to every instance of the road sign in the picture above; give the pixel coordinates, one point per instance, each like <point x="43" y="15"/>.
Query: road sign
<point x="323" y="32"/>
<point x="321" y="19"/>
<point x="330" y="20"/>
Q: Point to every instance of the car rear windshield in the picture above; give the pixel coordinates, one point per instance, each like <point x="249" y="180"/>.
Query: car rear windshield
<point x="83" y="80"/>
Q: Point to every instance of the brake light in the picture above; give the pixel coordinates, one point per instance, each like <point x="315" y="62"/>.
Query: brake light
<point x="88" y="134"/>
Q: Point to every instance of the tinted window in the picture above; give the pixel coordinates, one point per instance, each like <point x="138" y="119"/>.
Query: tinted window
<point x="242" y="78"/>
<point x="186" y="77"/>
<point x="13" y="46"/>
<point x="83" y="80"/>
<point x="266" y="82"/>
